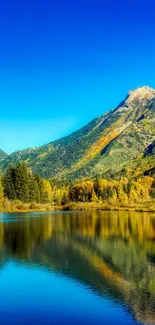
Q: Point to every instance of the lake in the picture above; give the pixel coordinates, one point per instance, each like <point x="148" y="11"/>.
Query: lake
<point x="77" y="268"/>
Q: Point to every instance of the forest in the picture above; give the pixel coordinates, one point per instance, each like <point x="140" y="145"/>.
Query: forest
<point x="21" y="190"/>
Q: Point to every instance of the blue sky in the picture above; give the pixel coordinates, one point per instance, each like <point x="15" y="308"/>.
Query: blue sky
<point x="62" y="63"/>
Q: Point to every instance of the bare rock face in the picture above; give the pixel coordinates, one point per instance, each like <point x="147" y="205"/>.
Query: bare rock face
<point x="141" y="95"/>
<point x="115" y="141"/>
<point x="139" y="98"/>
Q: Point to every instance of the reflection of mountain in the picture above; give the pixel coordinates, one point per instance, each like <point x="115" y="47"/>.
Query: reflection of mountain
<point x="113" y="254"/>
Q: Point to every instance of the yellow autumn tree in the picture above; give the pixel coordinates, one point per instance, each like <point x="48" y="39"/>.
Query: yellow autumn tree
<point x="82" y="191"/>
<point x="46" y="191"/>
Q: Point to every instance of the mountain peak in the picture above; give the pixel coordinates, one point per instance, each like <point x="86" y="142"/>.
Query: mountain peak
<point x="138" y="98"/>
<point x="140" y="94"/>
<point x="122" y="137"/>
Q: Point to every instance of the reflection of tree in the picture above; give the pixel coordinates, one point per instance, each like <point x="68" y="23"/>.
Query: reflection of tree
<point x="1" y="234"/>
<point x="111" y="251"/>
<point x="21" y="237"/>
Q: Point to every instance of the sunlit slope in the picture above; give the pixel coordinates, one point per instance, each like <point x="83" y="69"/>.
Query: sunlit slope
<point x="116" y="143"/>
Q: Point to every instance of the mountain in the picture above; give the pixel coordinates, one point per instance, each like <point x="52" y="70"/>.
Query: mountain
<point x="120" y="142"/>
<point x="3" y="155"/>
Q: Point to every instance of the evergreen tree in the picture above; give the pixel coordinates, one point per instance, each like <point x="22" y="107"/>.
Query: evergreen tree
<point x="34" y="193"/>
<point x="38" y="179"/>
<point x="9" y="183"/>
<point x="21" y="183"/>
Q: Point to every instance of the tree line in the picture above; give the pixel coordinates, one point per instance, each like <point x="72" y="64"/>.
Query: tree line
<point x="20" y="184"/>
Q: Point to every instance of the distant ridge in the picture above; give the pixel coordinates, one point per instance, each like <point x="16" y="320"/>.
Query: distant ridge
<point x="114" y="144"/>
<point x="3" y="154"/>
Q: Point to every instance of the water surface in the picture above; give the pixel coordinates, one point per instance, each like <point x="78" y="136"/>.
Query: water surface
<point x="77" y="268"/>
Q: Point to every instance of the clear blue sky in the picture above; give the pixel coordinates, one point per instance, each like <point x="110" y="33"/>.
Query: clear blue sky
<point x="63" y="63"/>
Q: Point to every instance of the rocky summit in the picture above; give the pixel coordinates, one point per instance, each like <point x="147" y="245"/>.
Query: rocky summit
<point x="118" y="143"/>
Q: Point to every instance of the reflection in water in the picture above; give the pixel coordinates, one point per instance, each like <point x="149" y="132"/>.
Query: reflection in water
<point x="111" y="252"/>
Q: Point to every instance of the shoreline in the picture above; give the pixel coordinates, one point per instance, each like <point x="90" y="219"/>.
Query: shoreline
<point x="78" y="206"/>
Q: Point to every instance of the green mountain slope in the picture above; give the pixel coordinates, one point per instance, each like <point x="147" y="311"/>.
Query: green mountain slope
<point x="120" y="141"/>
<point x="3" y="155"/>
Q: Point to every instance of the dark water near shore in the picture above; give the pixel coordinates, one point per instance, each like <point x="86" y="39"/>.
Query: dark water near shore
<point x="77" y="268"/>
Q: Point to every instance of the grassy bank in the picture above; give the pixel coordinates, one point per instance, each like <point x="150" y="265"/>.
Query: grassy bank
<point x="92" y="206"/>
<point x="10" y="206"/>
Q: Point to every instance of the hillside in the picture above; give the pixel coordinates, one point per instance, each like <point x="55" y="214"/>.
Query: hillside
<point x="3" y="155"/>
<point x="120" y="142"/>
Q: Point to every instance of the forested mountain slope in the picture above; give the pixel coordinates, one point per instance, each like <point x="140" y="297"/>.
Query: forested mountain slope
<point x="3" y="155"/>
<point x="120" y="142"/>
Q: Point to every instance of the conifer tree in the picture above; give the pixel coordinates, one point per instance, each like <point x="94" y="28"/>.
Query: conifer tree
<point x="22" y="182"/>
<point x="39" y="183"/>
<point x="9" y="183"/>
<point x="34" y="193"/>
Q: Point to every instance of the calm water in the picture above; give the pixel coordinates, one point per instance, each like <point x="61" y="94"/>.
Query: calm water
<point x="77" y="268"/>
